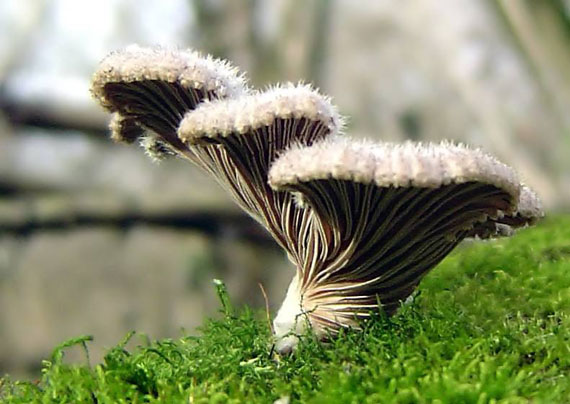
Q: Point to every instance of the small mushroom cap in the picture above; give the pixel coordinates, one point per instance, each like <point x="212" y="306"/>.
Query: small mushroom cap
<point x="388" y="164"/>
<point x="249" y="132"/>
<point x="189" y="68"/>
<point x="253" y="111"/>
<point x="154" y="87"/>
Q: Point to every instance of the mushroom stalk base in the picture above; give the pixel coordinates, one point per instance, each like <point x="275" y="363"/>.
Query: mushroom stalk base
<point x="290" y="321"/>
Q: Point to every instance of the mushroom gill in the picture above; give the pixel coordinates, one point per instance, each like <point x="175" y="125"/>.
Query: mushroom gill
<point x="529" y="210"/>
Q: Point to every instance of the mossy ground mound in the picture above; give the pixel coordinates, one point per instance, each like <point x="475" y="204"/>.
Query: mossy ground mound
<point x="492" y="322"/>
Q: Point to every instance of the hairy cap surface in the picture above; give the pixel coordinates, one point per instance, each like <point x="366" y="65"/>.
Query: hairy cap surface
<point x="253" y="111"/>
<point x="187" y="67"/>
<point x="422" y="165"/>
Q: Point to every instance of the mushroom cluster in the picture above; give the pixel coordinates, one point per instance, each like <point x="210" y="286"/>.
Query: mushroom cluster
<point x="362" y="222"/>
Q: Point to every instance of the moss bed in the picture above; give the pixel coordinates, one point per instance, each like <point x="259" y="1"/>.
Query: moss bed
<point x="490" y="324"/>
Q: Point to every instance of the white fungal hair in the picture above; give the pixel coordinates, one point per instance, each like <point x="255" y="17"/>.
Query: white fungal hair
<point x="422" y="165"/>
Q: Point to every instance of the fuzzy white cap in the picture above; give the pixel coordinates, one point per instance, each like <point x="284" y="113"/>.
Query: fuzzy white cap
<point x="422" y="165"/>
<point x="189" y="68"/>
<point x="252" y="111"/>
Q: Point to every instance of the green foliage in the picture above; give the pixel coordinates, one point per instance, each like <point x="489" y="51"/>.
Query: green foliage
<point x="490" y="324"/>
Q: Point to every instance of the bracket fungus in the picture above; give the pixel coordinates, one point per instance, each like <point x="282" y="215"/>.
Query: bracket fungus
<point x="362" y="222"/>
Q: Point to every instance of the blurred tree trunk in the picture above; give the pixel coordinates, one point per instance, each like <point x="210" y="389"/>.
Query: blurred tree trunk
<point x="543" y="32"/>
<point x="317" y="53"/>
<point x="273" y="40"/>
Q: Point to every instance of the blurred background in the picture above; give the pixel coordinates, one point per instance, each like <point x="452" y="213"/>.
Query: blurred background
<point x="96" y="239"/>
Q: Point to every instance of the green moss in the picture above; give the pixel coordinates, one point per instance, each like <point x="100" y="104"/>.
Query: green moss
<point x="492" y="322"/>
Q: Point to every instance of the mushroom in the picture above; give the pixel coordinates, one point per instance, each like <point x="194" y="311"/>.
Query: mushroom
<point x="149" y="90"/>
<point x="384" y="214"/>
<point x="246" y="134"/>
<point x="362" y="222"/>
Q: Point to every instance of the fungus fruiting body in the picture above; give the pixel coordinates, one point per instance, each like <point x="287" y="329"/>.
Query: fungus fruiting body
<point x="362" y="222"/>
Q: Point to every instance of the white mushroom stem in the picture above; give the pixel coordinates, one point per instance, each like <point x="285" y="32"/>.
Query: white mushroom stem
<point x="290" y="322"/>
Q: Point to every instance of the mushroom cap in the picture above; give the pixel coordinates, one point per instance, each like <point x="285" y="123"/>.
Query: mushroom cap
<point x="420" y="165"/>
<point x="243" y="136"/>
<point x="254" y="111"/>
<point x="153" y="87"/>
<point x="188" y="68"/>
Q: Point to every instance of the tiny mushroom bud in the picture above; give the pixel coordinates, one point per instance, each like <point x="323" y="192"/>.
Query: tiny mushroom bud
<point x="123" y="129"/>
